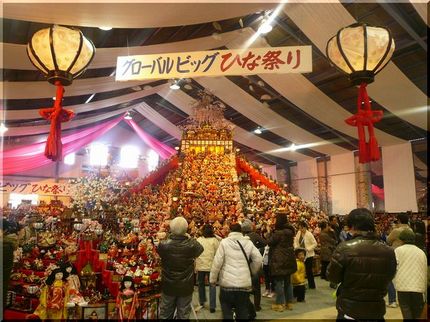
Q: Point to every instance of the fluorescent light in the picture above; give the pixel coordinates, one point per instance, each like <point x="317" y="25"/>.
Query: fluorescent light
<point x="105" y="28"/>
<point x="293" y="147"/>
<point x="90" y="98"/>
<point x="3" y="128"/>
<point x="258" y="131"/>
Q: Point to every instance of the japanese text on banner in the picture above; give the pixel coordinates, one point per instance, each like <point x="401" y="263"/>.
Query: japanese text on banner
<point x="45" y="188"/>
<point x="247" y="61"/>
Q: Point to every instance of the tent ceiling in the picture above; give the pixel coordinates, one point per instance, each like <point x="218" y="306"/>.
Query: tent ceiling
<point x="298" y="108"/>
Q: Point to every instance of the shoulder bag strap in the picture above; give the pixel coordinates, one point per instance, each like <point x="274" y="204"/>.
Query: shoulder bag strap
<point x="246" y="257"/>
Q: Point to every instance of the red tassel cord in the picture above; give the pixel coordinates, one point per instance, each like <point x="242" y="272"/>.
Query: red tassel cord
<point x="365" y="118"/>
<point x="57" y="115"/>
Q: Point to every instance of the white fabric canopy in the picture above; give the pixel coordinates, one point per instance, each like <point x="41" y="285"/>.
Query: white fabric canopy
<point x="253" y="109"/>
<point x="15" y="56"/>
<point x="320" y="22"/>
<point x="92" y="106"/>
<point x="132" y="15"/>
<point x="308" y="97"/>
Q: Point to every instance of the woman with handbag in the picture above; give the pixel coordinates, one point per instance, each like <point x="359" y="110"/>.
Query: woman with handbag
<point x="235" y="261"/>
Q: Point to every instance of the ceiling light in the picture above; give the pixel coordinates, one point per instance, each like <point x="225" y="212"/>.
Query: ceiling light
<point x="175" y="85"/>
<point x="258" y="131"/>
<point x="105" y="28"/>
<point x="265" y="27"/>
<point x="293" y="147"/>
<point x="3" y="128"/>
<point x="177" y="148"/>
<point x="128" y="116"/>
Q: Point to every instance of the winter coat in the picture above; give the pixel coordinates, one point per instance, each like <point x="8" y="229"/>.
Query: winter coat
<point x="310" y="243"/>
<point x="230" y="267"/>
<point x="257" y="240"/>
<point x="411" y="269"/>
<point x="210" y="246"/>
<point x="328" y="245"/>
<point x="177" y="264"/>
<point x="282" y="261"/>
<point x="364" y="266"/>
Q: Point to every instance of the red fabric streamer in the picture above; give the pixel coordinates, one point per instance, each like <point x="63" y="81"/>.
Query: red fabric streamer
<point x="365" y="117"/>
<point x="243" y="166"/>
<point x="57" y="115"/>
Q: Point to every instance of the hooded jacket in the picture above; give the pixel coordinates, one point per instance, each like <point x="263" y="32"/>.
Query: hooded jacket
<point x="364" y="266"/>
<point x="230" y="267"/>
<point x="177" y="264"/>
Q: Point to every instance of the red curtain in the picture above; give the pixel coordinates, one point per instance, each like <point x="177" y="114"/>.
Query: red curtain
<point x="255" y="175"/>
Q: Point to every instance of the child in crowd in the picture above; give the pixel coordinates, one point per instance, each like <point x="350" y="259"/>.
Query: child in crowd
<point x="267" y="278"/>
<point x="299" y="278"/>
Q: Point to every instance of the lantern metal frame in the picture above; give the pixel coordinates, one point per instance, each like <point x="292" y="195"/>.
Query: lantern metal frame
<point x="65" y="77"/>
<point x="366" y="76"/>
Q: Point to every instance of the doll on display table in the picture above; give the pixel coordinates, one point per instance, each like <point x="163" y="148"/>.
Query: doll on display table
<point x="73" y="284"/>
<point x="53" y="297"/>
<point x="126" y="301"/>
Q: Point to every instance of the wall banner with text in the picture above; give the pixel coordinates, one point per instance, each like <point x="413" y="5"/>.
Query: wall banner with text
<point x="249" y="61"/>
<point x="41" y="188"/>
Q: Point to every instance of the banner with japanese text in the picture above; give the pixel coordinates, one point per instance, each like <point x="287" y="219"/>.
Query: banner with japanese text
<point x="40" y="188"/>
<point x="291" y="59"/>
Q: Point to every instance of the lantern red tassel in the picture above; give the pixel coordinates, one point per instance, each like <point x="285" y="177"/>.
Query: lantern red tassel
<point x="365" y="117"/>
<point x="57" y="115"/>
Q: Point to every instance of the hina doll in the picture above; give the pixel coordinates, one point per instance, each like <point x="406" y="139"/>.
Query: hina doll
<point x="53" y="297"/>
<point x="73" y="284"/>
<point x="127" y="300"/>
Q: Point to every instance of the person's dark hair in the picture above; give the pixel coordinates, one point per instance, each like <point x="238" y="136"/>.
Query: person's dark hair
<point x="151" y="239"/>
<point x="297" y="251"/>
<point x="403" y="218"/>
<point x="361" y="219"/>
<point x="208" y="231"/>
<point x="64" y="267"/>
<point x="330" y="218"/>
<point x="322" y="225"/>
<point x="281" y="221"/>
<point x="236" y="227"/>
<point x="125" y="279"/>
<point x="303" y="224"/>
<point x="51" y="278"/>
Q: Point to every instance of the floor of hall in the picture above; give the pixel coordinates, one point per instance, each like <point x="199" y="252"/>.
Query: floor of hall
<point x="319" y="305"/>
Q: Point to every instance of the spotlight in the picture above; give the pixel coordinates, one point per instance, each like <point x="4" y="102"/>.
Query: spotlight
<point x="105" y="28"/>
<point x="177" y="148"/>
<point x="258" y="131"/>
<point x="128" y="116"/>
<point x="175" y="85"/>
<point x="265" y="27"/>
<point x="293" y="147"/>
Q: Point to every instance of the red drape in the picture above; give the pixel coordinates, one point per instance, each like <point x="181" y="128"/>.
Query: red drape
<point x="162" y="150"/>
<point x="32" y="156"/>
<point x="378" y="192"/>
<point x="255" y="175"/>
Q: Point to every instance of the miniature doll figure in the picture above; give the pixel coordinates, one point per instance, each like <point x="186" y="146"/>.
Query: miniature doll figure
<point x="127" y="300"/>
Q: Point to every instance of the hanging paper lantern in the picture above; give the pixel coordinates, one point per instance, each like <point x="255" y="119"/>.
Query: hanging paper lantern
<point x="361" y="52"/>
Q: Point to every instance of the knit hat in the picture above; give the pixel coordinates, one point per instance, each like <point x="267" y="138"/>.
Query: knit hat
<point x="407" y="236"/>
<point x="246" y="226"/>
<point x="179" y="226"/>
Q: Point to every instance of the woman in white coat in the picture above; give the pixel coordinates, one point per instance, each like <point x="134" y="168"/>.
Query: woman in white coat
<point x="203" y="265"/>
<point x="305" y="239"/>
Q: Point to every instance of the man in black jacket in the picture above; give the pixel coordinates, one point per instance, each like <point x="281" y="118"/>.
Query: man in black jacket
<point x="364" y="266"/>
<point x="177" y="254"/>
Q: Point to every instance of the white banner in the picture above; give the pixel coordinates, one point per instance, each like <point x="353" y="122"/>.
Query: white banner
<point x="40" y="188"/>
<point x="249" y="61"/>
